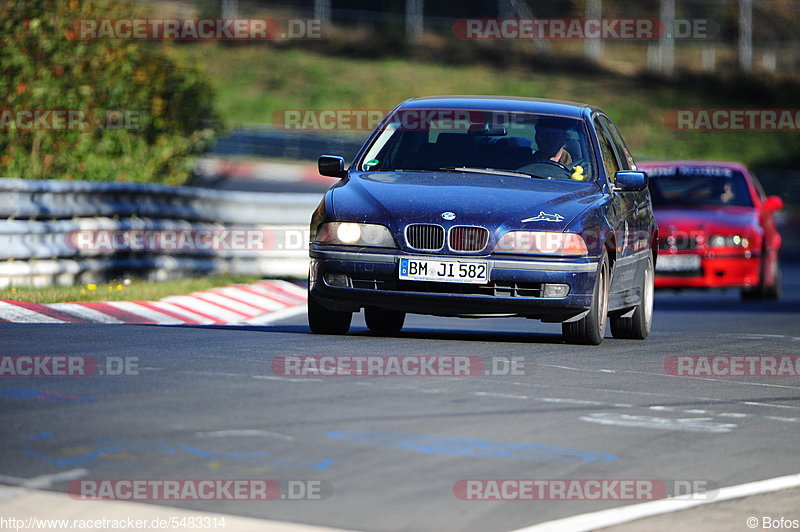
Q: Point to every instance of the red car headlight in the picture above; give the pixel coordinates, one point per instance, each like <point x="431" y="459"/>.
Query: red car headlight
<point x="728" y="241"/>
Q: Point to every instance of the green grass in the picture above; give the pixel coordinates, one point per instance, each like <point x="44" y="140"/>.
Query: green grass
<point x="119" y="291"/>
<point x="253" y="82"/>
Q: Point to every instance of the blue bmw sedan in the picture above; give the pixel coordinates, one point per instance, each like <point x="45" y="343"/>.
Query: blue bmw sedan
<point x="478" y="206"/>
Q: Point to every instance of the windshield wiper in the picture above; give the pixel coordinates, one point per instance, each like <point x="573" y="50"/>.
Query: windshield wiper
<point x="493" y="171"/>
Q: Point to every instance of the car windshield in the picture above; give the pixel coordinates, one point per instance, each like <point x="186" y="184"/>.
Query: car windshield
<point x="707" y="185"/>
<point x="470" y="141"/>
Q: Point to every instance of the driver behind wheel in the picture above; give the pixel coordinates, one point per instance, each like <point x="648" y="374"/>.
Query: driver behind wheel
<point x="550" y="144"/>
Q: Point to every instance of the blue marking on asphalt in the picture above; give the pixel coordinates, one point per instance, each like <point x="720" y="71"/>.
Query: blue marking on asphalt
<point x="73" y="460"/>
<point x="322" y="465"/>
<point x="141" y="449"/>
<point x="135" y="446"/>
<point x="211" y="455"/>
<point x="39" y="395"/>
<point x="42" y="435"/>
<point x="470" y="447"/>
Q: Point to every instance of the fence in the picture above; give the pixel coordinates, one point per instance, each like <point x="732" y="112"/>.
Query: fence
<point x="49" y="230"/>
<point x="734" y="34"/>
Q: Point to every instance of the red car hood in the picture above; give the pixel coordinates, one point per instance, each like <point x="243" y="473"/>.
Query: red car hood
<point x="706" y="219"/>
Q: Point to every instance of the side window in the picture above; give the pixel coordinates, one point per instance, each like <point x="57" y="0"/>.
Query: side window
<point x="607" y="150"/>
<point x="622" y="149"/>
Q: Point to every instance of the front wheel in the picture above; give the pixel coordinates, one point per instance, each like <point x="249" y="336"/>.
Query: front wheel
<point x="637" y="326"/>
<point x="590" y="329"/>
<point x="765" y="290"/>
<point x="325" y="321"/>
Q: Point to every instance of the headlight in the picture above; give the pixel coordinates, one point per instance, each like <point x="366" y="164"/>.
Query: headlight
<point x="355" y="234"/>
<point x="541" y="243"/>
<point x="728" y="241"/>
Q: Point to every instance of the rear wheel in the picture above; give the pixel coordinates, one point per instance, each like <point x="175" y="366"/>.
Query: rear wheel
<point x="384" y="321"/>
<point x="637" y="326"/>
<point x="590" y="329"/>
<point x="325" y="321"/>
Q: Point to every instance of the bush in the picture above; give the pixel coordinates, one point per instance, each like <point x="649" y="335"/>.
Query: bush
<point x="145" y="113"/>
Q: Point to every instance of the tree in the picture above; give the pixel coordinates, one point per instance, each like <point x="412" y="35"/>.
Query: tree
<point x="141" y="114"/>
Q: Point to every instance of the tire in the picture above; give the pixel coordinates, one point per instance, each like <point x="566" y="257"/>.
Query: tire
<point x="384" y="321"/>
<point x="637" y="326"/>
<point x="763" y="291"/>
<point x="591" y="329"/>
<point x="773" y="293"/>
<point x="325" y="321"/>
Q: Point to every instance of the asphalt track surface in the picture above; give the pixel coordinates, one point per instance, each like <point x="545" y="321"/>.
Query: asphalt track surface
<point x="206" y="404"/>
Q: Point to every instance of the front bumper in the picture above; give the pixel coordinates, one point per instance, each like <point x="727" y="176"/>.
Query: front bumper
<point x="716" y="271"/>
<point x="370" y="278"/>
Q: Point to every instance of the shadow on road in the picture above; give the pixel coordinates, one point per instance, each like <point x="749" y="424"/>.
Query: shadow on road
<point x="715" y="302"/>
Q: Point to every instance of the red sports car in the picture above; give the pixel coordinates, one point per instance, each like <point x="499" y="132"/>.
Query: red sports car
<point x="716" y="228"/>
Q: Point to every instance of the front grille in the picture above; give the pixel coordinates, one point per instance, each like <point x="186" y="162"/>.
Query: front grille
<point x="465" y="238"/>
<point x="425" y="237"/>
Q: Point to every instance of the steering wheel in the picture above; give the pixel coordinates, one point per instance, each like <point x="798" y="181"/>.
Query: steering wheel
<point x="530" y="167"/>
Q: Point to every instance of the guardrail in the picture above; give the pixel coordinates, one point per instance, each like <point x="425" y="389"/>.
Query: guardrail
<point x="61" y="232"/>
<point x="255" y="141"/>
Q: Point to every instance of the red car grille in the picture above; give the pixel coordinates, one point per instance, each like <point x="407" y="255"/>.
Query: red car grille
<point x="678" y="242"/>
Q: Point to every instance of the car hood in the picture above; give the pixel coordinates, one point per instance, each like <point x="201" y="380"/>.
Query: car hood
<point x="400" y="198"/>
<point x="705" y="218"/>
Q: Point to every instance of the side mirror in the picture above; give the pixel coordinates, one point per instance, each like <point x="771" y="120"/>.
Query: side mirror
<point x="630" y="181"/>
<point x="772" y="203"/>
<point x="331" y="166"/>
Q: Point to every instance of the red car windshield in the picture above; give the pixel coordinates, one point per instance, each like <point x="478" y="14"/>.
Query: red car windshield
<point x="713" y="186"/>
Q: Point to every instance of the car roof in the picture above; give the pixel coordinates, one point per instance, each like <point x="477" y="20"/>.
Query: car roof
<point x="733" y="165"/>
<point x="501" y="103"/>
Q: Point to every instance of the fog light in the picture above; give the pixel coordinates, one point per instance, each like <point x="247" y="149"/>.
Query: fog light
<point x="555" y="290"/>
<point x="337" y="279"/>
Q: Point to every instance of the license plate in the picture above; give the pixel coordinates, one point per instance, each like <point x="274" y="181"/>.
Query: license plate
<point x="447" y="271"/>
<point x="678" y="263"/>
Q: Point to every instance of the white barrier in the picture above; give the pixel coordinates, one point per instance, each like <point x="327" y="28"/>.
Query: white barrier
<point x="61" y="232"/>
